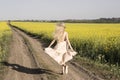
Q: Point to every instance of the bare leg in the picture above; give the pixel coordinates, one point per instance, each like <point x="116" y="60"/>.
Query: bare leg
<point x="65" y="69"/>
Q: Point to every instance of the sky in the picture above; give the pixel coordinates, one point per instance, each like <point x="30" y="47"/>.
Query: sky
<point x="58" y="9"/>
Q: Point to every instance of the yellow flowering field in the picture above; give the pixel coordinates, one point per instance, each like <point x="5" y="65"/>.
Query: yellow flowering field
<point x="5" y="34"/>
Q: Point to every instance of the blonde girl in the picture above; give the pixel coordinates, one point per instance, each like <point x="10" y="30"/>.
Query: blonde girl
<point x="63" y="51"/>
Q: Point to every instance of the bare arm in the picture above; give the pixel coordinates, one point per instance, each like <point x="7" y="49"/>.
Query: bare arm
<point x="51" y="43"/>
<point x="68" y="42"/>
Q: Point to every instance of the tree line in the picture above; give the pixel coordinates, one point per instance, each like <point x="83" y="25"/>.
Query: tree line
<point x="100" y="20"/>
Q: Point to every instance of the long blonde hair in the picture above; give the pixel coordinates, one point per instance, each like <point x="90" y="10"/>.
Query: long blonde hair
<point x="59" y="31"/>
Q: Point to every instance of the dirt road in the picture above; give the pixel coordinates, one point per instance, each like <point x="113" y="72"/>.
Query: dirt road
<point x="27" y="61"/>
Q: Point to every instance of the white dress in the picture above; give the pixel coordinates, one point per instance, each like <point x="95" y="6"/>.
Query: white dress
<point x="60" y="53"/>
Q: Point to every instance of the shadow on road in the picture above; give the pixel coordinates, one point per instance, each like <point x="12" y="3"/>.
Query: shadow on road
<point x="27" y="70"/>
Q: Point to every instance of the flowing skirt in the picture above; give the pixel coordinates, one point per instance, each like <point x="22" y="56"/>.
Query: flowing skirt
<point x="60" y="53"/>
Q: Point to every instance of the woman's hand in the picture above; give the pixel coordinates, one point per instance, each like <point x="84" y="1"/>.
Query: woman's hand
<point x="52" y="42"/>
<point x="72" y="50"/>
